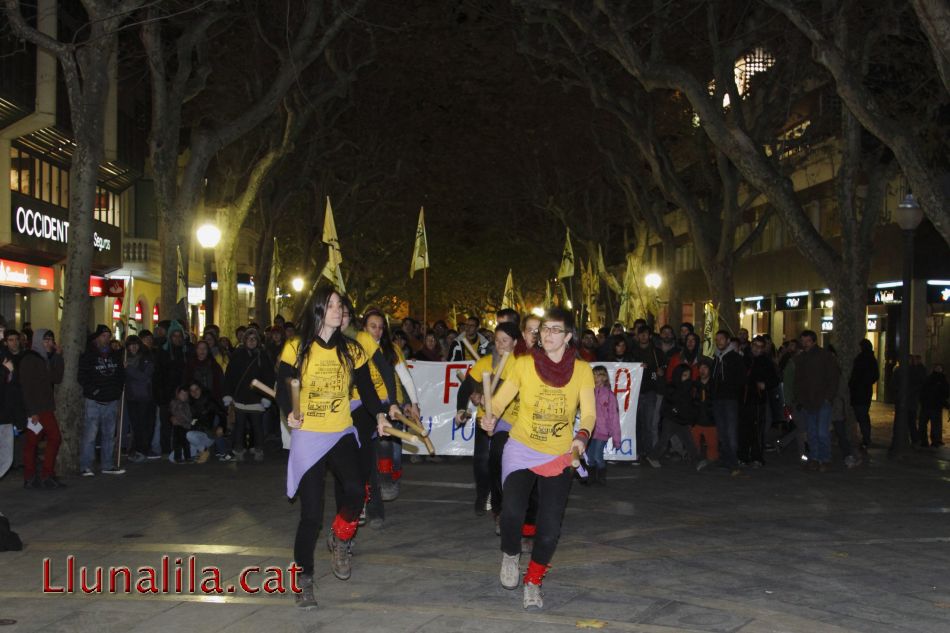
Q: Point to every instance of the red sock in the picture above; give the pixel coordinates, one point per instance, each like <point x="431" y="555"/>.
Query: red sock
<point x="535" y="573"/>
<point x="529" y="530"/>
<point x="397" y="474"/>
<point x="343" y="529"/>
<point x="384" y="465"/>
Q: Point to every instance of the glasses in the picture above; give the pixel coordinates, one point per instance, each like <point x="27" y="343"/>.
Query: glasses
<point x="552" y="329"/>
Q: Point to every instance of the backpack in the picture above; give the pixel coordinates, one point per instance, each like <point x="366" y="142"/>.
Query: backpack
<point x="9" y="540"/>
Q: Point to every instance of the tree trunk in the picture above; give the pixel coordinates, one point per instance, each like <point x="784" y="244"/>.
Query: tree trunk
<point x="265" y="260"/>
<point x="674" y="305"/>
<point x="723" y="291"/>
<point x="227" y="314"/>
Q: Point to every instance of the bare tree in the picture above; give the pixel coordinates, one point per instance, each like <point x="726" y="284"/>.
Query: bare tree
<point x="85" y="61"/>
<point x="848" y="66"/>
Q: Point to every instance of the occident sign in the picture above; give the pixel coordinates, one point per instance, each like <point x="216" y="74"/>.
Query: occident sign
<point x="36" y="224"/>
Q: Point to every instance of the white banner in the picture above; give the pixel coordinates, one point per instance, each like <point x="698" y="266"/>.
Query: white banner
<point x="438" y="384"/>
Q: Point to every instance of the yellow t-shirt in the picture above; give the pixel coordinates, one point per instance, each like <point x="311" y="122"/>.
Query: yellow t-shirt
<point x="484" y="364"/>
<point x="324" y="386"/>
<point x="545" y="419"/>
<point x="367" y="343"/>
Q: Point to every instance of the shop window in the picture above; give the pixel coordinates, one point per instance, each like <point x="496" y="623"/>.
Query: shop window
<point x="63" y="188"/>
<point x="54" y="186"/>
<point x="37" y="178"/>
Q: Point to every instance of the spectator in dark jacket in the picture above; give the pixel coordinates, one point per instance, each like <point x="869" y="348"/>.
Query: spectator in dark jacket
<point x="139" y="402"/>
<point x="102" y="377"/>
<point x="248" y="362"/>
<point x="651" y="399"/>
<point x="933" y="400"/>
<point x="679" y="412"/>
<point x="204" y="369"/>
<point x="705" y="427"/>
<point x="762" y="385"/>
<point x="728" y="380"/>
<point x="40" y="369"/>
<point x="11" y="411"/>
<point x="816" y="385"/>
<point x="864" y="373"/>
<point x="169" y="373"/>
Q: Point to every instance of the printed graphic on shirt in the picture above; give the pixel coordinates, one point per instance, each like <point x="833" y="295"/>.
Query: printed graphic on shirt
<point x="549" y="413"/>
<point x="325" y="387"/>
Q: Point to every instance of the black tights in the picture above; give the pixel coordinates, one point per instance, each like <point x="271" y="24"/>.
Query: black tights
<point x="365" y="427"/>
<point x="498" y="441"/>
<point x="343" y="461"/>
<point x="552" y="499"/>
<point x="480" y="465"/>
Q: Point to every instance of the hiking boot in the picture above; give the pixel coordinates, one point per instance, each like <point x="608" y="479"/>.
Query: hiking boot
<point x="203" y="456"/>
<point x="51" y="483"/>
<point x="305" y="599"/>
<point x="388" y="490"/>
<point x="340" y="557"/>
<point x="509" y="575"/>
<point x="533" y="596"/>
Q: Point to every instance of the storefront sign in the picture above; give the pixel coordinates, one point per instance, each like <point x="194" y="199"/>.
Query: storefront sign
<point x="102" y="287"/>
<point x="155" y="313"/>
<point x="138" y="311"/>
<point x="791" y="303"/>
<point x="45" y="227"/>
<point x="20" y="275"/>
<point x="872" y="324"/>
<point x="117" y="309"/>
<point x="827" y="324"/>
<point x="938" y="294"/>
<point x="883" y="296"/>
<point x="760" y="305"/>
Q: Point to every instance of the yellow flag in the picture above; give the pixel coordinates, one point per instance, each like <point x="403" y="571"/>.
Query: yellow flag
<point x="601" y="267"/>
<point x="567" y="260"/>
<point x="420" y="252"/>
<point x="332" y="270"/>
<point x="508" y="298"/>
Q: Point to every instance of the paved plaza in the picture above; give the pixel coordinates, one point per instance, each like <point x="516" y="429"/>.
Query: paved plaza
<point x="657" y="551"/>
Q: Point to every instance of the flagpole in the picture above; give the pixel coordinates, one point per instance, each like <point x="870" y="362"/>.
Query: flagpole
<point x="425" y="298"/>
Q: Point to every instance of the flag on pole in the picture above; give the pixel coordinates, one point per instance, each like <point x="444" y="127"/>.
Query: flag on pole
<point x="420" y="252"/>
<point x="710" y="327"/>
<point x="130" y="303"/>
<point x="601" y="267"/>
<point x="508" y="297"/>
<point x="626" y="312"/>
<point x="272" y="297"/>
<point x="332" y="270"/>
<point x="182" y="292"/>
<point x="567" y="259"/>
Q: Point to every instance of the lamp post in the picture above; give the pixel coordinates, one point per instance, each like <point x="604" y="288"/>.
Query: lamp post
<point x="908" y="217"/>
<point x="208" y="236"/>
<point x="297" y="284"/>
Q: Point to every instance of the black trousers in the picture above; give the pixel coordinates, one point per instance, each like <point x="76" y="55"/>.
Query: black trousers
<point x="552" y="499"/>
<point x="343" y="461"/>
<point x="498" y="441"/>
<point x="670" y="429"/>
<point x="365" y="427"/>
<point x="180" y="444"/>
<point x="142" y="418"/>
<point x="480" y="460"/>
<point x="244" y="419"/>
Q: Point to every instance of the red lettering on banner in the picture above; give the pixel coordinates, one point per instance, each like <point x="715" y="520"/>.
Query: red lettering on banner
<point x="450" y="370"/>
<point x="625" y="389"/>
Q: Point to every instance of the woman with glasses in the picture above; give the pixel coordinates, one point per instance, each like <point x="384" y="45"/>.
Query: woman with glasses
<point x="552" y="384"/>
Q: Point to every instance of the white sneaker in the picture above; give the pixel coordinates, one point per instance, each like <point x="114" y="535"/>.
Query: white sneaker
<point x="702" y="464"/>
<point x="113" y="471"/>
<point x="653" y="462"/>
<point x="87" y="472"/>
<point x="509" y="571"/>
<point x="533" y="596"/>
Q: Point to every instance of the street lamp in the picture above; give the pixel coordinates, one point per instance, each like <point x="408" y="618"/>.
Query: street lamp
<point x="297" y="284"/>
<point x="908" y="217"/>
<point x="653" y="280"/>
<point x="208" y="236"/>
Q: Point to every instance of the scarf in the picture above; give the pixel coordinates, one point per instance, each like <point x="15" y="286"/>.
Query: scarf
<point x="551" y="373"/>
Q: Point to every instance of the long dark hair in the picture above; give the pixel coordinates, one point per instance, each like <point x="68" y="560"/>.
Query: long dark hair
<point x="386" y="340"/>
<point x="311" y="322"/>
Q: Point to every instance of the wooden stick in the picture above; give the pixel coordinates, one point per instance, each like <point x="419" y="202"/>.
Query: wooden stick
<point x="486" y="392"/>
<point x="501" y="367"/>
<point x="267" y="391"/>
<point x="468" y="346"/>
<point x="575" y="458"/>
<point x="410" y="437"/>
<point x="413" y="425"/>
<point x="295" y="397"/>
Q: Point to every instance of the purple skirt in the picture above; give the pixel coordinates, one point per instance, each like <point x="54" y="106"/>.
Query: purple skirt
<point x="306" y="449"/>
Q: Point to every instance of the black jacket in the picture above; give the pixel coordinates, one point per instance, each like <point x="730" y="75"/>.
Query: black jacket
<point x="246" y="365"/>
<point x="728" y="375"/>
<point x="679" y="403"/>
<point x="654" y="361"/>
<point x="101" y="375"/>
<point x="935" y="391"/>
<point x="864" y="373"/>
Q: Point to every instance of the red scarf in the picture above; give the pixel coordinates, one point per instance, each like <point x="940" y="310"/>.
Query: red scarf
<point x="551" y="373"/>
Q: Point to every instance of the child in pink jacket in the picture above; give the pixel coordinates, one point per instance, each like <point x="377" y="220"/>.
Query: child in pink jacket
<point x="607" y="426"/>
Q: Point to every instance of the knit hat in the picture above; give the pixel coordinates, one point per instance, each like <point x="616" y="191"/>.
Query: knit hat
<point x="101" y="329"/>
